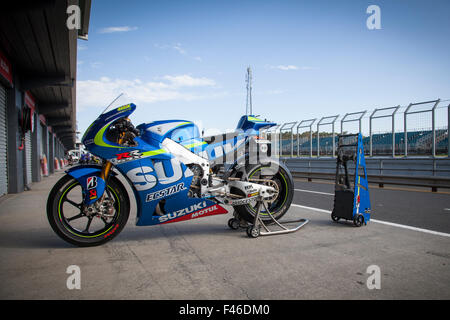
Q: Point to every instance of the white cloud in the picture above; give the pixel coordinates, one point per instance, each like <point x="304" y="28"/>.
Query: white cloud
<point x="96" y="64"/>
<point x="308" y="68"/>
<point x="98" y="93"/>
<point x="160" y="46"/>
<point x="188" y="81"/>
<point x="178" y="47"/>
<point x="292" y="67"/>
<point x="284" y="67"/>
<point x="117" y="29"/>
<point x="275" y="91"/>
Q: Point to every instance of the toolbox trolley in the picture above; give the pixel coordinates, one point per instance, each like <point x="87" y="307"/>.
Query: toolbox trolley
<point x="351" y="195"/>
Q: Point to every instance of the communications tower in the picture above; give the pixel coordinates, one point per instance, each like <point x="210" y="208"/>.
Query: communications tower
<point x="249" y="108"/>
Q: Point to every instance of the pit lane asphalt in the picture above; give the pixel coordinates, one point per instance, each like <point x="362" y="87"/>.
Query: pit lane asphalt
<point x="204" y="259"/>
<point x="416" y="207"/>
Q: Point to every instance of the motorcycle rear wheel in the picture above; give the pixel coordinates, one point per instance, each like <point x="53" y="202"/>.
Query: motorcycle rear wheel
<point x="280" y="205"/>
<point x="69" y="221"/>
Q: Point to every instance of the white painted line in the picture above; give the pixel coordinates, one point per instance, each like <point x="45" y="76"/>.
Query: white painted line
<point x="310" y="191"/>
<point x="412" y="228"/>
<point x="383" y="222"/>
<point x="311" y="208"/>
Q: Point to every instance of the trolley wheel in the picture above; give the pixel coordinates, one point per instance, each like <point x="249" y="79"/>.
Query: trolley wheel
<point x="335" y="218"/>
<point x="233" y="224"/>
<point x="358" y="220"/>
<point x="253" y="232"/>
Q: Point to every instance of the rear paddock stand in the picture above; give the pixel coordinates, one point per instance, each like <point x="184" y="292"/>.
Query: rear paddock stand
<point x="254" y="230"/>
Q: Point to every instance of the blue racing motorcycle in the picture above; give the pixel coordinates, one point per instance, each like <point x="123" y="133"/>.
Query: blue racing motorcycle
<point x="174" y="174"/>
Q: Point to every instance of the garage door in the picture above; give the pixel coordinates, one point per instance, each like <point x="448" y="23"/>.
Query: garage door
<point x="3" y="143"/>
<point x="28" y="172"/>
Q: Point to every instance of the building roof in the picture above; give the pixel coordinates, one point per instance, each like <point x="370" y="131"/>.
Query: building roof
<point x="43" y="51"/>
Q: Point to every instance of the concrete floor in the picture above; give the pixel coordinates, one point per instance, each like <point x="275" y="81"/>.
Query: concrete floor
<point x="204" y="259"/>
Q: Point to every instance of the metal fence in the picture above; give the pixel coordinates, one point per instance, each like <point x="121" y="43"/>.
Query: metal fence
<point x="418" y="129"/>
<point x="430" y="172"/>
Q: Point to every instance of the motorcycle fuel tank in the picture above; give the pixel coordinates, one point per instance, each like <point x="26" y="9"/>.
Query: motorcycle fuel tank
<point x="177" y="130"/>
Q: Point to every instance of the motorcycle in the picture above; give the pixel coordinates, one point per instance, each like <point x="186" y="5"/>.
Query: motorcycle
<point x="174" y="174"/>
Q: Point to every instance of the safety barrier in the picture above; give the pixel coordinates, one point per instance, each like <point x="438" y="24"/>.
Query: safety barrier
<point x="44" y="166"/>
<point x="416" y="129"/>
<point x="423" y="172"/>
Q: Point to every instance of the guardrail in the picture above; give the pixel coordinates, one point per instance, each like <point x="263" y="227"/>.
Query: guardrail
<point x="423" y="172"/>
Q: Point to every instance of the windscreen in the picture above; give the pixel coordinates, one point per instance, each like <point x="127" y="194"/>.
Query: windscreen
<point x="121" y="100"/>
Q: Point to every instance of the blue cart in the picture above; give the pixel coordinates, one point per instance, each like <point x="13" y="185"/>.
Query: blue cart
<point x="351" y="197"/>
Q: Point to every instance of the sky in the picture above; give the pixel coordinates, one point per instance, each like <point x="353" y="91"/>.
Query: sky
<point x="188" y="59"/>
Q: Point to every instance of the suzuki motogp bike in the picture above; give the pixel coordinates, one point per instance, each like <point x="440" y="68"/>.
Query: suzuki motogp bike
<point x="174" y="174"/>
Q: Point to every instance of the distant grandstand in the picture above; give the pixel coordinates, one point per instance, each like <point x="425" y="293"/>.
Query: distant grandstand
<point x="419" y="143"/>
<point x="424" y="126"/>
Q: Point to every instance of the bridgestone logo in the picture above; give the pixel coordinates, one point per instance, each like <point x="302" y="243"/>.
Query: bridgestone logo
<point x="165" y="192"/>
<point x="91" y="182"/>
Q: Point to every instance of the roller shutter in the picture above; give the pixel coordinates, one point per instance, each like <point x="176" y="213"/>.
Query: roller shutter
<point x="43" y="144"/>
<point x="3" y="143"/>
<point x="28" y="166"/>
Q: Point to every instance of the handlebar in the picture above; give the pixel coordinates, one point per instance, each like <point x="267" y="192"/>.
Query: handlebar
<point x="124" y="128"/>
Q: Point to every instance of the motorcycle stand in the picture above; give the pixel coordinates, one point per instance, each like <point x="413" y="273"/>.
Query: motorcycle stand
<point x="254" y="230"/>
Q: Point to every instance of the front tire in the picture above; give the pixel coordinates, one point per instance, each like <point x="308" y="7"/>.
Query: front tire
<point x="69" y="221"/>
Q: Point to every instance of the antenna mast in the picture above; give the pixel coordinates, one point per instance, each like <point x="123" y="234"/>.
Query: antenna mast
<point x="249" y="108"/>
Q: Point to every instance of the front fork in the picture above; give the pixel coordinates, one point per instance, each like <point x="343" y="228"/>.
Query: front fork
<point x="104" y="174"/>
<point x="106" y="170"/>
<point x="99" y="207"/>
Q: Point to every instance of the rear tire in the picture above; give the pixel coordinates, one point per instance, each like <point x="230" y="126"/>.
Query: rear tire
<point x="280" y="205"/>
<point x="65" y="208"/>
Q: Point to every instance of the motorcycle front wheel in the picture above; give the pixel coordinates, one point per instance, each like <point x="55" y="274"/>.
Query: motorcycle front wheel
<point x="278" y="206"/>
<point x="71" y="222"/>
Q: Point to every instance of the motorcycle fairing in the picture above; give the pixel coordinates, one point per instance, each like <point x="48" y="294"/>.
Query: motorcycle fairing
<point x="187" y="134"/>
<point x="216" y="147"/>
<point x="159" y="181"/>
<point x="198" y="209"/>
<point x="253" y="123"/>
<point x="92" y="185"/>
<point x="155" y="175"/>
<point x="95" y="138"/>
<point x="163" y="180"/>
<point x="177" y="130"/>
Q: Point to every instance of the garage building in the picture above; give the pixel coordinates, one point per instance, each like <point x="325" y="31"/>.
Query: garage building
<point x="38" y="66"/>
